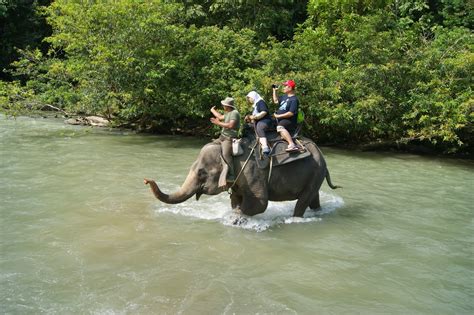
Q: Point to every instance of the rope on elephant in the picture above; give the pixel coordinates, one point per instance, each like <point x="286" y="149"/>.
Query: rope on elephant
<point x="242" y="169"/>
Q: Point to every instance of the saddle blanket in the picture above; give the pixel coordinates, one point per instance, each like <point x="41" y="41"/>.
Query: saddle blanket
<point x="279" y="156"/>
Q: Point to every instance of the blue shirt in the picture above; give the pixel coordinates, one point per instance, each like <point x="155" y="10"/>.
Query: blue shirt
<point x="289" y="104"/>
<point x="261" y="106"/>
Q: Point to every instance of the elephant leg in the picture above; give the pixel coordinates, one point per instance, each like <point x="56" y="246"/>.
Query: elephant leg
<point x="314" y="204"/>
<point x="235" y="201"/>
<point x="301" y="205"/>
<point x="252" y="205"/>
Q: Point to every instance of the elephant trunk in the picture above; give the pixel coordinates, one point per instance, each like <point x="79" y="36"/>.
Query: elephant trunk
<point x="187" y="190"/>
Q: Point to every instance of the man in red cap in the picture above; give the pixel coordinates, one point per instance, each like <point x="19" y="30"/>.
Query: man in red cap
<point x="287" y="113"/>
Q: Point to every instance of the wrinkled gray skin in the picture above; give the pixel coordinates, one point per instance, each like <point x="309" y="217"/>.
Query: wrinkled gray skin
<point x="299" y="180"/>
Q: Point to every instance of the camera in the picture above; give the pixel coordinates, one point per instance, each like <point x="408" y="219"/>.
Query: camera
<point x="274" y="86"/>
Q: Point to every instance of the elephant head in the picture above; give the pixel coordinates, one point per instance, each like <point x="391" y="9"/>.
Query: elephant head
<point x="203" y="177"/>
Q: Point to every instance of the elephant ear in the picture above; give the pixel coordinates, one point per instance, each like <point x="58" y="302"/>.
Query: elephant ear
<point x="223" y="176"/>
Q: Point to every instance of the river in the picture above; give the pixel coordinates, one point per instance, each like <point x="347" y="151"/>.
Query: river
<point x="81" y="234"/>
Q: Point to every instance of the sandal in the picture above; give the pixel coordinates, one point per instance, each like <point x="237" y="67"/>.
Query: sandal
<point x="292" y="148"/>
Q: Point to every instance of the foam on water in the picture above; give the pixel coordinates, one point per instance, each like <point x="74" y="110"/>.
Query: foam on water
<point x="218" y="208"/>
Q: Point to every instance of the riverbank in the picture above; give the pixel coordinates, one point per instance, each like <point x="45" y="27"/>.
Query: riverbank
<point x="417" y="147"/>
<point x="411" y="146"/>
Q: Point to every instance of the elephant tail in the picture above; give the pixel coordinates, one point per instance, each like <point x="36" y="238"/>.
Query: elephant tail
<point x="328" y="179"/>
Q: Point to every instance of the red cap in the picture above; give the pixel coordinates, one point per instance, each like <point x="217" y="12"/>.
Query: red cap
<point x="290" y="83"/>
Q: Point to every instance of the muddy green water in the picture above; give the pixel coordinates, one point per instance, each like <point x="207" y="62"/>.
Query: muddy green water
<point x="81" y="234"/>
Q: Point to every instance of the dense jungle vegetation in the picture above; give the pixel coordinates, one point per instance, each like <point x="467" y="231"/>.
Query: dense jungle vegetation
<point x="392" y="71"/>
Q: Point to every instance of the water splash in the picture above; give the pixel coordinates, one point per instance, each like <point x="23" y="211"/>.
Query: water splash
<point x="218" y="208"/>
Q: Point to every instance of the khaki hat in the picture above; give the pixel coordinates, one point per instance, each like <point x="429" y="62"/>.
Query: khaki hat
<point x="228" y="101"/>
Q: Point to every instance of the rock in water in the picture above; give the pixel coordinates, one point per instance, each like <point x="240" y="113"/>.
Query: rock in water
<point x="97" y="121"/>
<point x="89" y="121"/>
<point x="75" y="121"/>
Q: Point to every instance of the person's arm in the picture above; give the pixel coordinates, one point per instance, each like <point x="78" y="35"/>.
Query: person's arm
<point x="229" y="125"/>
<point x="285" y="115"/>
<point x="275" y="97"/>
<point x="293" y="108"/>
<point x="216" y="113"/>
<point x="262" y="110"/>
<point x="258" y="116"/>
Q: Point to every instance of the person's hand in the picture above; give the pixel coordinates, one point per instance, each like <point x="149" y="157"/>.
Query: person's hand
<point x="275" y="115"/>
<point x="215" y="121"/>
<point x="247" y="118"/>
<point x="213" y="108"/>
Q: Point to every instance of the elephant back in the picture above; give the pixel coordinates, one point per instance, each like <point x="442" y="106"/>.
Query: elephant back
<point x="279" y="156"/>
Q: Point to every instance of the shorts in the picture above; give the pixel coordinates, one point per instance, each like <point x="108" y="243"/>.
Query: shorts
<point x="286" y="124"/>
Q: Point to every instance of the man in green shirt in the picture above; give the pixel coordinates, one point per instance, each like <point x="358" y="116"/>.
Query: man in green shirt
<point x="230" y="123"/>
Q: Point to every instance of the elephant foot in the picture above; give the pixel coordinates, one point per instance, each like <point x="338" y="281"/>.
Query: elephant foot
<point x="237" y="210"/>
<point x="238" y="217"/>
<point x="239" y="220"/>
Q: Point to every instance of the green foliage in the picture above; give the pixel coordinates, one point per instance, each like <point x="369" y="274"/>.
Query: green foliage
<point x="366" y="70"/>
<point x="266" y="17"/>
<point x="20" y="27"/>
<point x="52" y="84"/>
<point x="154" y="69"/>
<point x="15" y="99"/>
<point x="440" y="102"/>
<point x="367" y="74"/>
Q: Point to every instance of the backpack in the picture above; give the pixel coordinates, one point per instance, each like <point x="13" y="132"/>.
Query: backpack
<point x="300" y="117"/>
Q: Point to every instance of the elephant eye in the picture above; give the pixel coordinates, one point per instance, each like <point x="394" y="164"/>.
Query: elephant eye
<point x="202" y="173"/>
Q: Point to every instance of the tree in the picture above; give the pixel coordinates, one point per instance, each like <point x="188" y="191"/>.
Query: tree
<point x="366" y="70"/>
<point x="265" y="17"/>
<point x="21" y="26"/>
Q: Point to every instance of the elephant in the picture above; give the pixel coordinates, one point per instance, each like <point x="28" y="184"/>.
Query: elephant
<point x="254" y="186"/>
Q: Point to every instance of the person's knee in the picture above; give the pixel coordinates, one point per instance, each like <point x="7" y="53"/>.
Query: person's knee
<point x="281" y="129"/>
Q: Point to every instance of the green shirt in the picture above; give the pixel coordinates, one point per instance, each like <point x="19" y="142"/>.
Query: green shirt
<point x="228" y="116"/>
